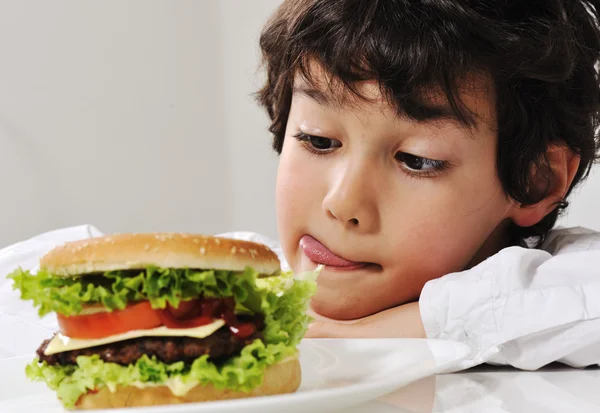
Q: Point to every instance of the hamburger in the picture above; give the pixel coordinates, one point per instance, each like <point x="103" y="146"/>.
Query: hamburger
<point x="161" y="318"/>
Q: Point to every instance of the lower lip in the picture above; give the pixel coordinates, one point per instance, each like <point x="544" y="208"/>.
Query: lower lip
<point x="346" y="268"/>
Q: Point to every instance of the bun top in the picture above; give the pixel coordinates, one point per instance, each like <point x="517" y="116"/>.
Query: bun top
<point x="164" y="250"/>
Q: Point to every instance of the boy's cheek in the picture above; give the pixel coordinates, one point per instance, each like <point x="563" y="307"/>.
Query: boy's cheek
<point x="298" y="200"/>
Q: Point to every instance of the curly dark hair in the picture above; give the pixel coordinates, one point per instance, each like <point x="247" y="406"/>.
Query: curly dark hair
<point x="541" y="56"/>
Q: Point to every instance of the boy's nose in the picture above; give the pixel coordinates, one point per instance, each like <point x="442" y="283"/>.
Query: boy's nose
<point x="351" y="201"/>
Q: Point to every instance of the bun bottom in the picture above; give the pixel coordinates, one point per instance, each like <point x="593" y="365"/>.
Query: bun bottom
<point x="283" y="377"/>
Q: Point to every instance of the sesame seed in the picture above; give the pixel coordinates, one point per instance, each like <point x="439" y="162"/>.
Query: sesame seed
<point x="242" y="250"/>
<point x="196" y="241"/>
<point x="233" y="249"/>
<point x="217" y="241"/>
<point x="202" y="250"/>
<point x="147" y="247"/>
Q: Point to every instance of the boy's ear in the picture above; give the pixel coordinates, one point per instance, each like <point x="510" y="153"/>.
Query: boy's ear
<point x="563" y="163"/>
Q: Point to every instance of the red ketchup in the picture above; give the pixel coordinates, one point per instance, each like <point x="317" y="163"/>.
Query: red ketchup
<point x="200" y="312"/>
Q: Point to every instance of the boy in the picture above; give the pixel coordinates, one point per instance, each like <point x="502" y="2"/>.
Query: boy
<point x="424" y="144"/>
<point x="421" y="138"/>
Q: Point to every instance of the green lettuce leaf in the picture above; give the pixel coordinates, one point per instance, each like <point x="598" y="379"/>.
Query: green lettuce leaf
<point x="115" y="289"/>
<point x="283" y="300"/>
<point x="240" y="373"/>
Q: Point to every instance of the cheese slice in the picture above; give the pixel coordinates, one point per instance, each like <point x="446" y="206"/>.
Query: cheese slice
<point x="61" y="343"/>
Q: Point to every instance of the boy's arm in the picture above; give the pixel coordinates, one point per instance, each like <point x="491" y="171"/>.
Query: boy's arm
<point x="521" y="307"/>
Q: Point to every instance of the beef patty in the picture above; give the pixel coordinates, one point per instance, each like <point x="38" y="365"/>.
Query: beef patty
<point x="219" y="345"/>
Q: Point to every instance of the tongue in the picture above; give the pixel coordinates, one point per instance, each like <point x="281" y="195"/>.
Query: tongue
<point x="318" y="253"/>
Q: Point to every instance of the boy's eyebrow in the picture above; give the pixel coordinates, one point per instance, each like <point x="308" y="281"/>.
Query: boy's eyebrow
<point x="419" y="111"/>
<point x="431" y="113"/>
<point x="315" y="94"/>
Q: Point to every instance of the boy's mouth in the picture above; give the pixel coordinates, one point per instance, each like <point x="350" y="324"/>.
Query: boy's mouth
<point x="320" y="254"/>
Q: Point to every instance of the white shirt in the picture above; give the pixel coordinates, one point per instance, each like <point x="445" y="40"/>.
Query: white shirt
<point x="521" y="307"/>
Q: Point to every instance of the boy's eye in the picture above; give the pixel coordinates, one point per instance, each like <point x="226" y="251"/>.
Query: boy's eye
<point x="418" y="163"/>
<point x="321" y="143"/>
<point x="317" y="143"/>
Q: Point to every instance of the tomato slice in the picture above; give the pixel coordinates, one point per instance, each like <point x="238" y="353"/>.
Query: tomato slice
<point x="96" y="323"/>
<point x="139" y="316"/>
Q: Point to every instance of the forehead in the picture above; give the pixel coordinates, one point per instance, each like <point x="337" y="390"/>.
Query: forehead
<point x="321" y="86"/>
<point x="430" y="105"/>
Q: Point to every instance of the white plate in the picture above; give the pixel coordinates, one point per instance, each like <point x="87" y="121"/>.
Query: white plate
<point x="336" y="374"/>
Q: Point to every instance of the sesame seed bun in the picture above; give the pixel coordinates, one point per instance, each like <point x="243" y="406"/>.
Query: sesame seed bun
<point x="164" y="250"/>
<point x="283" y="377"/>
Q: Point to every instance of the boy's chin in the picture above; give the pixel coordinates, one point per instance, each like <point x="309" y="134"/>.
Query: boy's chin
<point x="339" y="308"/>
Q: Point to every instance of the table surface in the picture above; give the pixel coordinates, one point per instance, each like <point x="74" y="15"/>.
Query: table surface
<point x="488" y="389"/>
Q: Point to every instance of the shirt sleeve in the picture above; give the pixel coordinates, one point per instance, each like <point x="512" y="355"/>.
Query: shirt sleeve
<point x="523" y="307"/>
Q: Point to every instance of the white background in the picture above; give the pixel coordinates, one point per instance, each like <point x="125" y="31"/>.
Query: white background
<point x="139" y="116"/>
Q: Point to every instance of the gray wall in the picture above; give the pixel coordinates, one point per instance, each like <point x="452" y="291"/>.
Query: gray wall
<point x="132" y="115"/>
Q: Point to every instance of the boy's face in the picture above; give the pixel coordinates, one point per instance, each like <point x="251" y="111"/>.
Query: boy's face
<point x="387" y="202"/>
